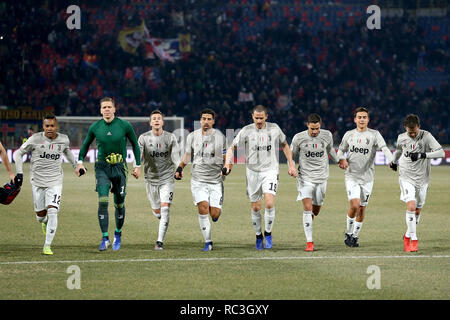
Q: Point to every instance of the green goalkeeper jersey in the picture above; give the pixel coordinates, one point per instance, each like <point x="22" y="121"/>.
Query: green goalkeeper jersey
<point x="111" y="138"/>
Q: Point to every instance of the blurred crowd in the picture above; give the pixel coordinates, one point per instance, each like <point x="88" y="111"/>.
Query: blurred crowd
<point x="287" y="68"/>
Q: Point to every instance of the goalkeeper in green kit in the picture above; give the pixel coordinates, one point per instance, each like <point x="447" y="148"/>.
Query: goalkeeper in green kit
<point x="111" y="169"/>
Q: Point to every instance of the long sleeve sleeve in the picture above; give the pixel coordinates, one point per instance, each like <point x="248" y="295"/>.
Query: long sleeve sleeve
<point x="86" y="143"/>
<point x="18" y="156"/>
<point x="131" y="135"/>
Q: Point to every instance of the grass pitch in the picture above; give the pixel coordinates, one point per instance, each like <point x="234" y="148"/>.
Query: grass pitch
<point x="234" y="270"/>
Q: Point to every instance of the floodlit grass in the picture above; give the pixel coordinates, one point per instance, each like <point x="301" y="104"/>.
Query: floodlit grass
<point x="234" y="269"/>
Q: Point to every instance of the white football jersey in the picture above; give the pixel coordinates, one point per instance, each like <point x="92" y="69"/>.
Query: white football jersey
<point x="261" y="146"/>
<point x="159" y="156"/>
<point x="418" y="172"/>
<point x="46" y="158"/>
<point x="362" y="148"/>
<point x="313" y="154"/>
<point x="208" y="152"/>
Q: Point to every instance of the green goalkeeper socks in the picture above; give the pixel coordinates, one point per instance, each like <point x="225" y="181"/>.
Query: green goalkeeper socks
<point x="103" y="217"/>
<point x="120" y="216"/>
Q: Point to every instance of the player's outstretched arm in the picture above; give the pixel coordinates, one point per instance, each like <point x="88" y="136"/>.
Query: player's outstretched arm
<point x="136" y="172"/>
<point x="292" y="171"/>
<point x="229" y="157"/>
<point x="6" y="162"/>
<point x="343" y="164"/>
<point x="185" y="160"/>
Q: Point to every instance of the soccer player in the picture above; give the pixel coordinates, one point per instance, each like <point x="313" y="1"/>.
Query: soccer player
<point x="159" y="156"/>
<point x="261" y="140"/>
<point x="46" y="174"/>
<point x="111" y="134"/>
<point x="361" y="144"/>
<point x="6" y="162"/>
<point x="208" y="147"/>
<point x="415" y="148"/>
<point x="312" y="146"/>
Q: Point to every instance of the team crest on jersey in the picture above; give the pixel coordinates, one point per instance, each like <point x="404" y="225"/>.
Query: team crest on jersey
<point x="367" y="141"/>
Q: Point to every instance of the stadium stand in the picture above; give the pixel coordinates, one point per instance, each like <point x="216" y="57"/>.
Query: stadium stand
<point x="293" y="56"/>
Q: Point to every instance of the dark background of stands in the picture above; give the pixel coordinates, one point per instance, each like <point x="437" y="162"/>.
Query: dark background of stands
<point x="295" y="57"/>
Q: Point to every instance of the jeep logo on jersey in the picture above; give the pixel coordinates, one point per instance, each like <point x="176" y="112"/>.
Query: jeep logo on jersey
<point x="262" y="148"/>
<point x="50" y="156"/>
<point x="159" y="154"/>
<point x="205" y="154"/>
<point x="359" y="150"/>
<point x="315" y="154"/>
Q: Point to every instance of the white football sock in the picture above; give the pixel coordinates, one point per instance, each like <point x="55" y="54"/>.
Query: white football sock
<point x="269" y="217"/>
<point x="357" y="228"/>
<point x="350" y="224"/>
<point x="308" y="225"/>
<point x="417" y="218"/>
<point x="158" y="215"/>
<point x="256" y="220"/>
<point x="42" y="219"/>
<point x="411" y="225"/>
<point x="163" y="223"/>
<point x="52" y="224"/>
<point x="205" y="226"/>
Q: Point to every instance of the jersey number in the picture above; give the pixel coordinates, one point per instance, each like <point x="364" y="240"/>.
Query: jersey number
<point x="56" y="199"/>
<point x="273" y="187"/>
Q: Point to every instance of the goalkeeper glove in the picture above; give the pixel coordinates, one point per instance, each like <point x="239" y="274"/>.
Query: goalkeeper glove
<point x="393" y="166"/>
<point x="225" y="171"/>
<point x="18" y="179"/>
<point x="179" y="170"/>
<point x="114" y="158"/>
<point x="417" y="155"/>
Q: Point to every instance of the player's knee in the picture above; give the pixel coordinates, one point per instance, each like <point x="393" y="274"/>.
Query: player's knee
<point x="354" y="205"/>
<point x="42" y="213"/>
<point x="203" y="207"/>
<point x="269" y="204"/>
<point x="256" y="207"/>
<point x="315" y="210"/>
<point x="119" y="205"/>
<point x="103" y="201"/>
<point x="307" y="206"/>
<point x="411" y="206"/>
<point x="214" y="212"/>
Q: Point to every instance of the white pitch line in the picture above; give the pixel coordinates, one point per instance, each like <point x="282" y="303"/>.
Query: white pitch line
<point x="225" y="259"/>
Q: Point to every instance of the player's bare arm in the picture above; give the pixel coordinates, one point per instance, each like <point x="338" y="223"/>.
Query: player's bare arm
<point x="5" y="160"/>
<point x="229" y="157"/>
<point x="291" y="164"/>
<point x="184" y="161"/>
<point x="136" y="172"/>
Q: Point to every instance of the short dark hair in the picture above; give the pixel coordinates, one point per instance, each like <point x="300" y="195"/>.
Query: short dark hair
<point x="259" y="108"/>
<point x="208" y="111"/>
<point x="108" y="99"/>
<point x="411" y="121"/>
<point x="48" y="117"/>
<point x="156" y="112"/>
<point x="314" y="118"/>
<point x="361" y="109"/>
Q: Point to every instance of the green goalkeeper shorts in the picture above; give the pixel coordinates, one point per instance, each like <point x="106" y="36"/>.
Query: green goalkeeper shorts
<point x="111" y="177"/>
